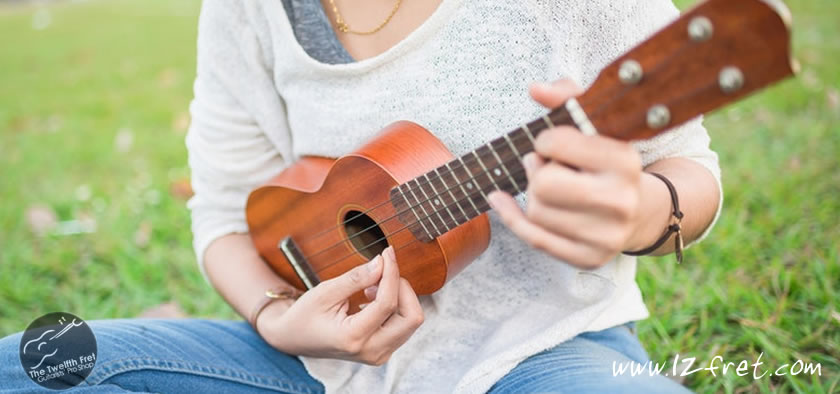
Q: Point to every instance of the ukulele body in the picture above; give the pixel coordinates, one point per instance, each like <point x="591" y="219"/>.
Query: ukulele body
<point x="310" y="202"/>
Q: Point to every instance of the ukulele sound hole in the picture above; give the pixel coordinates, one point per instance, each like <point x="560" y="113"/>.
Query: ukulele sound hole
<point x="364" y="234"/>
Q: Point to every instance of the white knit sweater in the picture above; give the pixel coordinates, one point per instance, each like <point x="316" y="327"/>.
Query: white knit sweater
<point x="261" y="103"/>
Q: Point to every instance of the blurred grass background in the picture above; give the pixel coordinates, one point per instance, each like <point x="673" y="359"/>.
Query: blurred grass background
<point x="93" y="113"/>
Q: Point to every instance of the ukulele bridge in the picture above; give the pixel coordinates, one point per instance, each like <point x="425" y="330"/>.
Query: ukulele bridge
<point x="298" y="263"/>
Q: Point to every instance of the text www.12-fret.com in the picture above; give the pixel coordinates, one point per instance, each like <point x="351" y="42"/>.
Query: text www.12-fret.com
<point x="717" y="366"/>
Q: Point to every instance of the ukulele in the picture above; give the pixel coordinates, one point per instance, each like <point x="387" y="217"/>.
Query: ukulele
<point x="321" y="217"/>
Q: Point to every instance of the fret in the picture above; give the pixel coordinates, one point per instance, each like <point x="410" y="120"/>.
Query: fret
<point x="449" y="189"/>
<point x="547" y="121"/>
<point x="434" y="210"/>
<point x="528" y="133"/>
<point x="521" y="142"/>
<point x="439" y="201"/>
<point x="513" y="147"/>
<point x="399" y="188"/>
<point x="519" y="156"/>
<point x="472" y="181"/>
<point x="463" y="190"/>
<point x="504" y="167"/>
<point x="427" y="216"/>
<point x="486" y="172"/>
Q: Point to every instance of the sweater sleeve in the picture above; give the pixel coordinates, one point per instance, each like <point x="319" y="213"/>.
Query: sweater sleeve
<point x="238" y="138"/>
<point x="609" y="28"/>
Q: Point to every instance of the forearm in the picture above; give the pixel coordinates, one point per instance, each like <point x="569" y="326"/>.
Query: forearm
<point x="238" y="273"/>
<point x="699" y="197"/>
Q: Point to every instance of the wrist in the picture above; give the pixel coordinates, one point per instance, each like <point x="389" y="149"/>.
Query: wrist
<point x="654" y="213"/>
<point x="272" y="304"/>
<point x="268" y="320"/>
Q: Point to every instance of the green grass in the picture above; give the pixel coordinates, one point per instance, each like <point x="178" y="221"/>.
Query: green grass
<point x="766" y="280"/>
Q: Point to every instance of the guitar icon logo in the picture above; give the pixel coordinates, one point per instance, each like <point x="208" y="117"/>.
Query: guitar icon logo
<point x="44" y="342"/>
<point x="58" y="350"/>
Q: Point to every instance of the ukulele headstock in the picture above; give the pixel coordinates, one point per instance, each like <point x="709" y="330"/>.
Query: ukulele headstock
<point x="714" y="54"/>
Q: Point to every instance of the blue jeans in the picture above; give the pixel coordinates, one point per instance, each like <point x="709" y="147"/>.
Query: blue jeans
<point x="180" y="356"/>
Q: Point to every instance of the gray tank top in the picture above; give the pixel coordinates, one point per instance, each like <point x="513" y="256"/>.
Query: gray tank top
<point x="314" y="32"/>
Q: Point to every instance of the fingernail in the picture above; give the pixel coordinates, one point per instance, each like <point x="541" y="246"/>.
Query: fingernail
<point x="362" y="306"/>
<point x="390" y="251"/>
<point x="491" y="199"/>
<point x="373" y="265"/>
<point x="530" y="161"/>
<point x="370" y="292"/>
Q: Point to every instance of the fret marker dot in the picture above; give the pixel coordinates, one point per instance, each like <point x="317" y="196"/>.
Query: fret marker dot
<point x="437" y="202"/>
<point x="469" y="185"/>
<point x="498" y="172"/>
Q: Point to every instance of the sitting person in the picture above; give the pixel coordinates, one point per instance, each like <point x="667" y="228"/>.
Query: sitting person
<point x="549" y="307"/>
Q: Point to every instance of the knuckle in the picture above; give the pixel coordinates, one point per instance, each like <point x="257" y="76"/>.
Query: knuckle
<point x="388" y="305"/>
<point x="382" y="360"/>
<point x="619" y="205"/>
<point x="610" y="239"/>
<point x="550" y="146"/>
<point x="623" y="210"/>
<point x="605" y="258"/>
<point x="352" y="346"/>
<point x="632" y="159"/>
<point x="542" y="191"/>
<point x="391" y="305"/>
<point x="594" y="264"/>
<point x="374" y="357"/>
<point x="614" y="240"/>
<point x="631" y="208"/>
<point x="355" y="275"/>
<point x="533" y="209"/>
<point x="537" y="243"/>
<point x="591" y="263"/>
<point x="417" y="319"/>
<point x="585" y="265"/>
<point x="627" y="150"/>
<point x="367" y="359"/>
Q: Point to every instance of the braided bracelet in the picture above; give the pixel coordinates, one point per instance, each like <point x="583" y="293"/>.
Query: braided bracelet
<point x="673" y="227"/>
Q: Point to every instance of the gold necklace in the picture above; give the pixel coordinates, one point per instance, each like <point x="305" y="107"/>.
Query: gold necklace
<point x="344" y="28"/>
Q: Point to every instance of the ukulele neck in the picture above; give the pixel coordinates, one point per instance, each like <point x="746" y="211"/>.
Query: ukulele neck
<point x="452" y="194"/>
<point x="714" y="54"/>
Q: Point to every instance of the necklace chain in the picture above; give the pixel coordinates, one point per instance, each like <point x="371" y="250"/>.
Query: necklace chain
<point x="345" y="28"/>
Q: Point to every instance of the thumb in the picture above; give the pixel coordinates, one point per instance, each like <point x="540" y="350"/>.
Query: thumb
<point x="555" y="94"/>
<point x="340" y="288"/>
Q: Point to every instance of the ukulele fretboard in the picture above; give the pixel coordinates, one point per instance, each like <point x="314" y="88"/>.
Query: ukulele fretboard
<point x="456" y="192"/>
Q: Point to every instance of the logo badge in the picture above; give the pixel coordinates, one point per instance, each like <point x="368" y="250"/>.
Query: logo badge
<point x="58" y="350"/>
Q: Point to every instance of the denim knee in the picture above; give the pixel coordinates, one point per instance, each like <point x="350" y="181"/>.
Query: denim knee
<point x="12" y="375"/>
